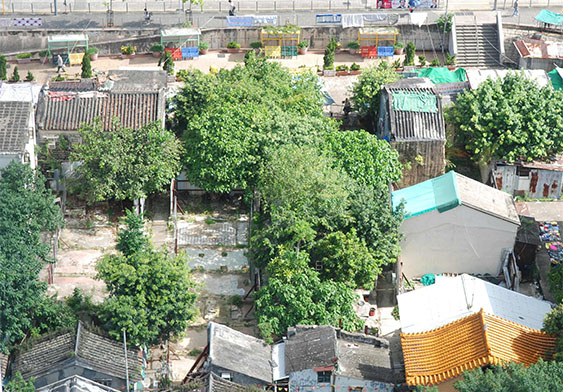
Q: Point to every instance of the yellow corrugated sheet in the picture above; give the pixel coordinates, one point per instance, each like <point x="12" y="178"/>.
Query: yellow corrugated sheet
<point x="479" y="339"/>
<point x="75" y="58"/>
<point x="272" y="51"/>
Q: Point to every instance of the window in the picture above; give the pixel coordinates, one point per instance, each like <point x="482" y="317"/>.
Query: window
<point x="227" y="376"/>
<point x="355" y="389"/>
<point x="106" y="382"/>
<point x="323" y="377"/>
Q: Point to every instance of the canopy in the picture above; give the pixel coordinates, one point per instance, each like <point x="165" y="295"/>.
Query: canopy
<point x="556" y="78"/>
<point x="438" y="75"/>
<point x="549" y="17"/>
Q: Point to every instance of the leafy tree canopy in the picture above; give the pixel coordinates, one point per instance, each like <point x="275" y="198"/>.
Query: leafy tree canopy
<point x="295" y="294"/>
<point x="151" y="294"/>
<point x="510" y="118"/>
<point x="124" y="163"/>
<point x="553" y="324"/>
<point x="18" y="384"/>
<point x="538" y="377"/>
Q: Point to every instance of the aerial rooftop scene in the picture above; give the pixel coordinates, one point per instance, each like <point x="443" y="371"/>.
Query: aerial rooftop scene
<point x="285" y="196"/>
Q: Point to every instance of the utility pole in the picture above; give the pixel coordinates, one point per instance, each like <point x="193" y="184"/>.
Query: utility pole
<point x="126" y="364"/>
<point x="53" y="2"/>
<point x="445" y="25"/>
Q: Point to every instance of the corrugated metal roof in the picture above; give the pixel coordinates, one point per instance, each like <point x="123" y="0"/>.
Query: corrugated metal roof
<point x="67" y="111"/>
<point x="14" y="125"/>
<point x="474" y="341"/>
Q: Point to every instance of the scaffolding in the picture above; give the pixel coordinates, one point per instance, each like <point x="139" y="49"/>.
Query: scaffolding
<point x="185" y="41"/>
<point x="280" y="42"/>
<point x="377" y="41"/>
<point x="64" y="46"/>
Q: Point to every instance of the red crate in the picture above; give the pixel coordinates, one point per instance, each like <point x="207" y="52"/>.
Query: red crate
<point x="369" y="51"/>
<point x="176" y="53"/>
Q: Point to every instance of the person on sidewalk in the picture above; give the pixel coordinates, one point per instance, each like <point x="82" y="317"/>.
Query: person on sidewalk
<point x="231" y="8"/>
<point x="60" y="64"/>
<point x="147" y="16"/>
<point x="516" y="11"/>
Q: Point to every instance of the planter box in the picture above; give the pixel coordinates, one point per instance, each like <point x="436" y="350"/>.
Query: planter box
<point x="203" y="51"/>
<point x="127" y="56"/>
<point x="329" y="72"/>
<point x="353" y="51"/>
<point x="156" y="54"/>
<point x="24" y="61"/>
<point x="233" y="50"/>
<point x="341" y="73"/>
<point x="357" y="72"/>
<point x="303" y="50"/>
<point x="399" y="51"/>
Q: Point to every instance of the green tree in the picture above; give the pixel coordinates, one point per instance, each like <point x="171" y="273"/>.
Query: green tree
<point x="3" y="66"/>
<point x="27" y="211"/>
<point x="18" y="384"/>
<point x="366" y="92"/>
<point x="86" y="67"/>
<point x="553" y="324"/>
<point x="410" y="53"/>
<point x="538" y="377"/>
<point x="510" y="118"/>
<point x="167" y="62"/>
<point x="124" y="163"/>
<point x="151" y="294"/>
<point x="295" y="294"/>
<point x="555" y="280"/>
<point x="15" y="75"/>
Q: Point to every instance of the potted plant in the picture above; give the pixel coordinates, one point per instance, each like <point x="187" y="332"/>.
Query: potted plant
<point x="342" y="70"/>
<point x="127" y="51"/>
<point x="29" y="77"/>
<point x="23" y="58"/>
<point x="450" y="61"/>
<point x="44" y="56"/>
<point x="233" y="47"/>
<point x="397" y="65"/>
<point x="399" y="48"/>
<point x="303" y="47"/>
<point x="15" y="75"/>
<point x="93" y="53"/>
<point x="353" y="47"/>
<point x="256" y="45"/>
<point x="355" y="69"/>
<point x="436" y="62"/>
<point x="329" y="70"/>
<point x="422" y="60"/>
<point x="157" y="50"/>
<point x="203" y="47"/>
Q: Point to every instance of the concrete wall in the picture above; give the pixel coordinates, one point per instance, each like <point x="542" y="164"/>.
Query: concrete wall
<point x="238" y="378"/>
<point x="306" y="381"/>
<point x="459" y="240"/>
<point x="110" y="41"/>
<point x="72" y="370"/>
<point x="367" y="386"/>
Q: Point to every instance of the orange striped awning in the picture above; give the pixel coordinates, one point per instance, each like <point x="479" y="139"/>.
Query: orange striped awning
<point x="479" y="339"/>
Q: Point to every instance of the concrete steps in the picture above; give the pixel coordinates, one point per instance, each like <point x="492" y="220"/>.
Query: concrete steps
<point x="477" y="45"/>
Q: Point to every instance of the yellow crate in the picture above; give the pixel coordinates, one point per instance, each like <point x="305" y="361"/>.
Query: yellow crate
<point x="272" y="51"/>
<point x="75" y="58"/>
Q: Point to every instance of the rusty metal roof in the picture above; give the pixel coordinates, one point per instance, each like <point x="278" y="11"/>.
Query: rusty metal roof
<point x="539" y="48"/>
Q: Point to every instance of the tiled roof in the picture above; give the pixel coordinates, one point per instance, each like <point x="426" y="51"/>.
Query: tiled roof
<point x="474" y="341"/>
<point x="74" y="85"/>
<point x="66" y="111"/>
<point x="308" y="347"/>
<point x="217" y="384"/>
<point x="14" y="125"/>
<point x="79" y="346"/>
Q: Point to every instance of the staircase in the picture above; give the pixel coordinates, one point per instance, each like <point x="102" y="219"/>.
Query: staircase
<point x="477" y="45"/>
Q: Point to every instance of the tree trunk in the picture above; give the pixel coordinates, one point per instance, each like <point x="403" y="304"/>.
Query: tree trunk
<point x="485" y="169"/>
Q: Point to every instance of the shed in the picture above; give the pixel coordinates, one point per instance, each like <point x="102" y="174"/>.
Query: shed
<point x="536" y="180"/>
<point x="17" y="133"/>
<point x="279" y="41"/>
<point x="377" y="41"/>
<point x="454" y="224"/>
<point x="181" y="43"/>
<point x="410" y="118"/>
<point x="539" y="53"/>
<point x="65" y="45"/>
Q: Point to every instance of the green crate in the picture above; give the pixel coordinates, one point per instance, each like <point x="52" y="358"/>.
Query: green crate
<point x="288" y="51"/>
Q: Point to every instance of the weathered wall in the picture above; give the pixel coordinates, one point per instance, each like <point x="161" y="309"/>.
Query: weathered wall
<point x="425" y="158"/>
<point x="68" y="371"/>
<point x="514" y="33"/>
<point x="306" y="381"/>
<point x="110" y="41"/>
<point x="367" y="386"/>
<point x="236" y="377"/>
<point x="474" y="239"/>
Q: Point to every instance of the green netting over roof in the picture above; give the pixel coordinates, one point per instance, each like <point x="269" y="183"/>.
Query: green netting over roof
<point x="556" y="80"/>
<point x="440" y="75"/>
<point x="407" y="101"/>
<point x="547" y="16"/>
<point x="439" y="193"/>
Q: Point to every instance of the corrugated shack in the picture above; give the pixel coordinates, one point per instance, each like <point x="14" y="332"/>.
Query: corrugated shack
<point x="536" y="180"/>
<point x="539" y="53"/>
<point x="410" y="118"/>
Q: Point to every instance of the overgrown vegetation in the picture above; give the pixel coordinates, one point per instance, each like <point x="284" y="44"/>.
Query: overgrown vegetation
<point x="86" y="67"/>
<point x="553" y="324"/>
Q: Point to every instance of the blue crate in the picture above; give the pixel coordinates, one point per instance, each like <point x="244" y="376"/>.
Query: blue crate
<point x="385" y="51"/>
<point x="190" y="52"/>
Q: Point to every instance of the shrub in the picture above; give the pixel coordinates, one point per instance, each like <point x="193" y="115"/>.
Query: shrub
<point x="450" y="60"/>
<point x="92" y="50"/>
<point x="442" y="20"/>
<point x="410" y="52"/>
<point x="354" y="67"/>
<point x="397" y="63"/>
<point x="44" y="53"/>
<point x="399" y="45"/>
<point x="303" y="44"/>
<point x="23" y="56"/>
<point x="29" y="77"/>
<point x="128" y="49"/>
<point x="15" y="75"/>
<point x="555" y="279"/>
<point x="353" y="45"/>
<point x="328" y="59"/>
<point x="167" y="62"/>
<point x="422" y="60"/>
<point x="3" y="72"/>
<point x="233" y="45"/>
<point x="86" y="67"/>
<point x="342" y="68"/>
<point x="157" y="48"/>
<point x="256" y="45"/>
<point x="436" y="62"/>
<point x="203" y="45"/>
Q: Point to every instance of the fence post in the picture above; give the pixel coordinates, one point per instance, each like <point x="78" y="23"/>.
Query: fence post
<point x="32" y="8"/>
<point x="126" y="6"/>
<point x="89" y="10"/>
<point x="51" y="7"/>
<point x="293" y="5"/>
<point x="70" y="8"/>
<point x="257" y="6"/>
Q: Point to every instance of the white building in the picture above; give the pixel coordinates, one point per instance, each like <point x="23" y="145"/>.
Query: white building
<point x="17" y="133"/>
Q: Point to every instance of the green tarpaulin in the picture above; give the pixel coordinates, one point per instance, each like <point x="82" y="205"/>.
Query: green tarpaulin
<point x="549" y="17"/>
<point x="440" y="75"/>
<point x="414" y="102"/>
<point x="556" y="80"/>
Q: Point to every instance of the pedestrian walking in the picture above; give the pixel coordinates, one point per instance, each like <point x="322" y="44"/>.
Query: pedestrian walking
<point x="516" y="11"/>
<point x="60" y="64"/>
<point x="147" y="16"/>
<point x="231" y="8"/>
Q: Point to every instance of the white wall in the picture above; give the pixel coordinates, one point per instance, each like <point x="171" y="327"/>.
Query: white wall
<point x="459" y="240"/>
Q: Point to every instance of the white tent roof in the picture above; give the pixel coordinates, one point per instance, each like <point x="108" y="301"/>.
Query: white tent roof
<point x="478" y="76"/>
<point x="28" y="92"/>
<point x="450" y="299"/>
<point x="67" y="38"/>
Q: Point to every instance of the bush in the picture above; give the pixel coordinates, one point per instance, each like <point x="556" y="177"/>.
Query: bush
<point x="422" y="60"/>
<point x="555" y="279"/>
<point x="353" y="45"/>
<point x="3" y="72"/>
<point x="450" y="60"/>
<point x="44" y="53"/>
<point x="256" y="45"/>
<point x="15" y="75"/>
<point x="86" y="67"/>
<point x="399" y="45"/>
<point x="233" y="45"/>
<point x="203" y="45"/>
<point x="23" y="56"/>
<point x="157" y="48"/>
<point x="396" y="63"/>
<point x="410" y="52"/>
<point x="92" y="50"/>
<point x="128" y="49"/>
<point x="303" y="44"/>
<point x="354" y="67"/>
<point x="436" y="62"/>
<point x="328" y="59"/>
<point x="442" y="19"/>
<point x="167" y="62"/>
<point x="236" y="300"/>
<point x="29" y="77"/>
<point x="342" y="68"/>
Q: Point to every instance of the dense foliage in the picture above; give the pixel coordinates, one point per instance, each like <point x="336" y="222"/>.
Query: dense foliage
<point x="86" y="70"/>
<point x="553" y="324"/>
<point x="124" y="163"/>
<point x="555" y="280"/>
<point x="511" y="118"/>
<point x="366" y="92"/>
<point x="18" y="384"/>
<point x="27" y="210"/>
<point x="538" y="377"/>
<point x="151" y="294"/>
